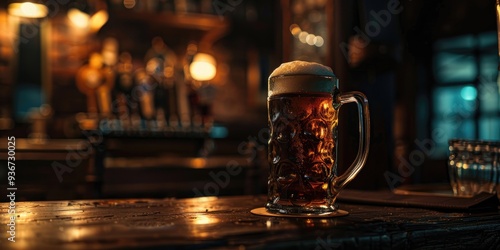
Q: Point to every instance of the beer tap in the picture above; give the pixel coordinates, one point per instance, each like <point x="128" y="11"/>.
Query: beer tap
<point x="161" y="61"/>
<point x="109" y="55"/>
<point x="124" y="83"/>
<point x="89" y="79"/>
<point x="146" y="85"/>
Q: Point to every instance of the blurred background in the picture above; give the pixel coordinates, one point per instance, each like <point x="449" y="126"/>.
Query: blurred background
<point x="167" y="98"/>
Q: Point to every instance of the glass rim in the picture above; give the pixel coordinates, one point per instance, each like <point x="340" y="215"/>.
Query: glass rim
<point x="473" y="141"/>
<point x="303" y="75"/>
<point x="302" y="83"/>
<point x="474" y="145"/>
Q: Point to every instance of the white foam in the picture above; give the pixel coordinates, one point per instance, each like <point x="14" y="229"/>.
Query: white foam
<point x="302" y="67"/>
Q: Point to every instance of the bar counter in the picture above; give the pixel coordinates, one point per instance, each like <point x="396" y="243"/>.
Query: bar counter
<point x="226" y="223"/>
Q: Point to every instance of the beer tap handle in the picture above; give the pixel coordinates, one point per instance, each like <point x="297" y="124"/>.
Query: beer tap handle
<point x="88" y="79"/>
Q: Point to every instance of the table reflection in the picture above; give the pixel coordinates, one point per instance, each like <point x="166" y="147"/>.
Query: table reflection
<point x="226" y="222"/>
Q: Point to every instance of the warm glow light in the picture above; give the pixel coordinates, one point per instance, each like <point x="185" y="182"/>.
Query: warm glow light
<point x="295" y="29"/>
<point x="468" y="93"/>
<point x="305" y="37"/>
<point x="319" y="41"/>
<point x="98" y="20"/>
<point x="79" y="18"/>
<point x="129" y="4"/>
<point x="75" y="233"/>
<point x="268" y="224"/>
<point x="28" y="9"/>
<point x="302" y="36"/>
<point x="198" y="162"/>
<point x="207" y="199"/>
<point x="203" y="67"/>
<point x="310" y="39"/>
<point x="202" y="219"/>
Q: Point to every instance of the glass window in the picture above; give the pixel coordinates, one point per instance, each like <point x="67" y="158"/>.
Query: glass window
<point x="454" y="102"/>
<point x="454" y="67"/>
<point x="465" y="101"/>
<point x="489" y="128"/>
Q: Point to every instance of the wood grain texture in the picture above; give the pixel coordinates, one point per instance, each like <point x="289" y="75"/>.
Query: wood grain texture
<point x="226" y="223"/>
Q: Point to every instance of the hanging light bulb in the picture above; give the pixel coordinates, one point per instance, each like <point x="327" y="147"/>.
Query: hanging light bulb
<point x="28" y="9"/>
<point x="98" y="20"/>
<point x="79" y="18"/>
<point x="203" y="67"/>
<point x="91" y="17"/>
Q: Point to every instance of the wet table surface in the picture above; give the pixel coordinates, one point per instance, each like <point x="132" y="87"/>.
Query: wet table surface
<point x="226" y="223"/>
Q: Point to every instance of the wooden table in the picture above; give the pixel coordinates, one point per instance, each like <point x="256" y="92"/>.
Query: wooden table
<point x="226" y="223"/>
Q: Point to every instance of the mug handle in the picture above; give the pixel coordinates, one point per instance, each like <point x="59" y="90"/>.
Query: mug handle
<point x="364" y="138"/>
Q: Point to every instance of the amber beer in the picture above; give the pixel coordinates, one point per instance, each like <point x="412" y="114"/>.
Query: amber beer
<point x="301" y="147"/>
<point x="303" y="105"/>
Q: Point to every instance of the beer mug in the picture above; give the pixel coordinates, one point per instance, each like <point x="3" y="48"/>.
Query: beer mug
<point x="303" y="107"/>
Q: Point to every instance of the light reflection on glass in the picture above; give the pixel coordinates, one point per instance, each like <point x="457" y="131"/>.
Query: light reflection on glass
<point x="498" y="24"/>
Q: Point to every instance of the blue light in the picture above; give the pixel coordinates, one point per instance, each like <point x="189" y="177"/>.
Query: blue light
<point x="468" y="93"/>
<point x="219" y="132"/>
<point x="26" y="97"/>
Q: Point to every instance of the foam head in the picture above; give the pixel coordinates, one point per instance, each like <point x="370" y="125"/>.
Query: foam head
<point x="302" y="68"/>
<point x="301" y="77"/>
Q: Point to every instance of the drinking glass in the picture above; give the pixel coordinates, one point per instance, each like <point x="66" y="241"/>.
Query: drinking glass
<point x="303" y="118"/>
<point x="473" y="166"/>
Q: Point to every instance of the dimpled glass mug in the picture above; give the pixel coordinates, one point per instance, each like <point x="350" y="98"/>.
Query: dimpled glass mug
<point x="303" y="105"/>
